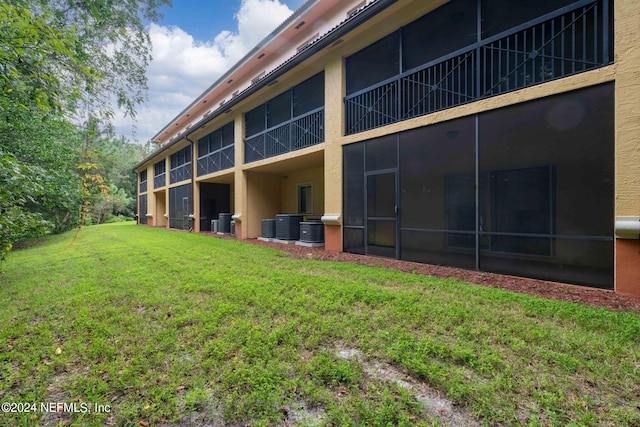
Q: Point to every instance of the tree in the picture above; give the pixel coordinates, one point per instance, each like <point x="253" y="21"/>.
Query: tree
<point x="62" y="62"/>
<point x="70" y="55"/>
<point x="19" y="189"/>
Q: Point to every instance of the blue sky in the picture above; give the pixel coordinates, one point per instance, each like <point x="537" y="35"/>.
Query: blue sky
<point x="204" y="19"/>
<point x="194" y="44"/>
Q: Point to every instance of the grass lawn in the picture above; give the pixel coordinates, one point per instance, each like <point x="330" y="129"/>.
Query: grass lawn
<point x="169" y="328"/>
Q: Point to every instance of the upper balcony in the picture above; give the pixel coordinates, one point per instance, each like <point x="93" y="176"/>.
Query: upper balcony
<point x="566" y="41"/>
<point x="290" y="121"/>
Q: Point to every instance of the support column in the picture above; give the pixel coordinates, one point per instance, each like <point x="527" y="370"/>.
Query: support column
<point x="334" y="125"/>
<point x="239" y="179"/>
<point x="627" y="151"/>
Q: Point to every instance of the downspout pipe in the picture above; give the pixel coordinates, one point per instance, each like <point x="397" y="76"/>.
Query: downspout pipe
<point x="193" y="182"/>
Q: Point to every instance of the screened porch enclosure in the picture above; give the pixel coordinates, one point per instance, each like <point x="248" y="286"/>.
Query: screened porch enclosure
<point x="216" y="150"/>
<point x="468" y="50"/>
<point x="180" y="207"/>
<point x="142" y="209"/>
<point x="525" y="190"/>
<point x="288" y="122"/>
<point x="214" y="199"/>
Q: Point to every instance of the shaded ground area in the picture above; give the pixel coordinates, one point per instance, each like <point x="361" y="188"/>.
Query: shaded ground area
<point x="540" y="288"/>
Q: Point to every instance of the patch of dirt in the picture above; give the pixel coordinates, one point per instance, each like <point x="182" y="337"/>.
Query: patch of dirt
<point x="539" y="288"/>
<point x="28" y="244"/>
<point x="437" y="405"/>
<point x="55" y="393"/>
<point x="298" y="414"/>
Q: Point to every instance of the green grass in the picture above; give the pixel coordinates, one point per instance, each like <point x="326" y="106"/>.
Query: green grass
<point x="166" y="327"/>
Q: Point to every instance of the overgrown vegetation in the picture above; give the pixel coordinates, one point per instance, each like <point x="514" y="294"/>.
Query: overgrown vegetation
<point x="167" y="327"/>
<point x="65" y="67"/>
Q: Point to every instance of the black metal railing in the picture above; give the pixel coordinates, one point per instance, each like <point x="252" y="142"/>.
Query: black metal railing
<point x="143" y="186"/>
<point x="180" y="173"/>
<point x="160" y="180"/>
<point x="216" y="161"/>
<point x="300" y="132"/>
<point x="559" y="44"/>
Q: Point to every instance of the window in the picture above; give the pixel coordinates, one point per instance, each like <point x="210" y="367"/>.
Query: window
<point x="305" y="198"/>
<point x="300" y="99"/>
<point x="216" y="151"/>
<point x="181" y="165"/>
<point x="290" y="121"/>
<point x="143" y="181"/>
<point x="159" y="174"/>
<point x="159" y="168"/>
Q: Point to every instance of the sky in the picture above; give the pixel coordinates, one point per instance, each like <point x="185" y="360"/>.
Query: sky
<point x="193" y="45"/>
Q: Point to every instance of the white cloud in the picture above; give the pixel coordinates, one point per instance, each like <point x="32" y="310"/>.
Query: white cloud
<point x="182" y="68"/>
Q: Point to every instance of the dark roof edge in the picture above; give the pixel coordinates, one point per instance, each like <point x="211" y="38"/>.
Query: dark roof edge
<point x="324" y="41"/>
<point x="295" y="15"/>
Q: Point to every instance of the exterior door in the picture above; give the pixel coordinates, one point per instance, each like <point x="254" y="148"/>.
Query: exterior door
<point x="382" y="210"/>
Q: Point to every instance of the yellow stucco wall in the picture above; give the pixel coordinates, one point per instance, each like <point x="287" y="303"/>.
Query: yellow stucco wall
<point x="160" y="200"/>
<point x="289" y="190"/>
<point x="334" y="125"/>
<point x="263" y="201"/>
<point x="627" y="57"/>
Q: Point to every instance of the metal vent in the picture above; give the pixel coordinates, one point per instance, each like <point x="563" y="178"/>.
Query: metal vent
<point x="312" y="232"/>
<point x="288" y="226"/>
<point x="225" y="223"/>
<point x="269" y="228"/>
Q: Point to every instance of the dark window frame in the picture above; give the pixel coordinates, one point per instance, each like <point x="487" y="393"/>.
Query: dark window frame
<point x="488" y="67"/>
<point x="180" y="165"/>
<point x="216" y="150"/>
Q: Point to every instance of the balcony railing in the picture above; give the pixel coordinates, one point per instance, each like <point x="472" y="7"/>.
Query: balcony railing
<point x="180" y="173"/>
<point x="569" y="41"/>
<point x="216" y="161"/>
<point x="160" y="180"/>
<point x="300" y="132"/>
<point x="143" y="186"/>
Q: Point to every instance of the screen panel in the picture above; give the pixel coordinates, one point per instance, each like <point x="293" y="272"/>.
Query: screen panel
<point x="228" y="133"/>
<point x="353" y="184"/>
<point x="255" y="121"/>
<point x="180" y="207"/>
<point x="308" y="95"/>
<point x="381" y="153"/>
<point x="437" y="176"/>
<point x="440" y="32"/>
<point x="501" y="15"/>
<point x="373" y="64"/>
<point x="279" y="109"/>
<point x="546" y="190"/>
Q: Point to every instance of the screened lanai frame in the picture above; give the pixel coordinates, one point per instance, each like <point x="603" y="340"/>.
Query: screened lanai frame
<point x="290" y="121"/>
<point x="539" y="201"/>
<point x="216" y="150"/>
<point x="574" y="38"/>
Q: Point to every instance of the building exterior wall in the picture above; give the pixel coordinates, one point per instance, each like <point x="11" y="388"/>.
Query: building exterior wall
<point x="289" y="190"/>
<point x="260" y="189"/>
